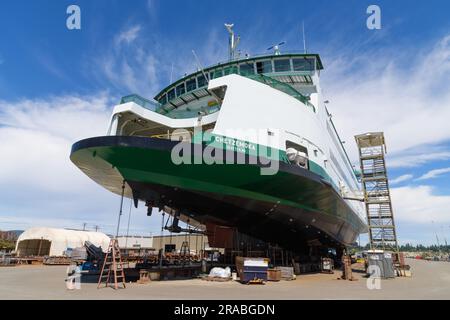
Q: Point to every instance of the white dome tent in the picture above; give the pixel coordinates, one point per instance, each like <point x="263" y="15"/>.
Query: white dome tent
<point x="42" y="241"/>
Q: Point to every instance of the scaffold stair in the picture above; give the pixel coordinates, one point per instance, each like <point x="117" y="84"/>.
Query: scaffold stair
<point x="377" y="198"/>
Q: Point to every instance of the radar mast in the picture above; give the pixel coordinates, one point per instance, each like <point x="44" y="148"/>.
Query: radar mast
<point x="233" y="41"/>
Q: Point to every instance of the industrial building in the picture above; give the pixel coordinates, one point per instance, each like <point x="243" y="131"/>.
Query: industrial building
<point x="42" y="241"/>
<point x="135" y="242"/>
<point x="169" y="243"/>
<point x="195" y="242"/>
<point x="136" y="245"/>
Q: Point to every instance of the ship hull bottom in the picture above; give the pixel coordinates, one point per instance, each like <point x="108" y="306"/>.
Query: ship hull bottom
<point x="293" y="229"/>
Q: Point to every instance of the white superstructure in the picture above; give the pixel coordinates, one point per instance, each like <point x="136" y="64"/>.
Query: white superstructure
<point x="277" y="97"/>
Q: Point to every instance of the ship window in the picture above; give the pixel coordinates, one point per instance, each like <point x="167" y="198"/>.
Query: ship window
<point x="215" y="74"/>
<point x="191" y="85"/>
<point x="163" y="99"/>
<point x="230" y="70"/>
<point x="282" y="65"/>
<point x="264" y="66"/>
<point x="247" y="69"/>
<point x="171" y="94"/>
<point x="303" y="64"/>
<point x="201" y="81"/>
<point x="181" y="89"/>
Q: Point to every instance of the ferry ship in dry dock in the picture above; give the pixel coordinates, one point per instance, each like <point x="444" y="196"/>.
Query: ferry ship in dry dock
<point x="288" y="187"/>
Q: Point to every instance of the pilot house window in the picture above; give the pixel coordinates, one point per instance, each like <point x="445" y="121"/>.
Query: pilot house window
<point x="201" y="81"/>
<point x="282" y="65"/>
<point x="191" y="85"/>
<point x="171" y="95"/>
<point x="181" y="89"/>
<point x="303" y="64"/>
<point x="163" y="99"/>
<point x="247" y="69"/>
<point x="230" y="70"/>
<point x="264" y="66"/>
<point x="215" y="74"/>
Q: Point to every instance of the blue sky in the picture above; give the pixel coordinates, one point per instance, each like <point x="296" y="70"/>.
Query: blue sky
<point x="58" y="86"/>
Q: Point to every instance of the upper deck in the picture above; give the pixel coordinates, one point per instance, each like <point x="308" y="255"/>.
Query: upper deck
<point x="291" y="73"/>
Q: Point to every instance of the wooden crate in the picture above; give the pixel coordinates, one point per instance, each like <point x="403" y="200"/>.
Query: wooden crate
<point x="273" y="275"/>
<point x="240" y="266"/>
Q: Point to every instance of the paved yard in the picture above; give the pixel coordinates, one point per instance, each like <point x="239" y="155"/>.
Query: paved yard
<point x="431" y="280"/>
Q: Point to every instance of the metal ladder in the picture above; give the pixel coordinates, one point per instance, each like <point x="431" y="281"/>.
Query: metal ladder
<point x="112" y="267"/>
<point x="377" y="198"/>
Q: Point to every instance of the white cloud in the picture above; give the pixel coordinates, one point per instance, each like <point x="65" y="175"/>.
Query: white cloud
<point x="434" y="173"/>
<point x="37" y="136"/>
<point x="141" y="62"/>
<point x="129" y="64"/>
<point x="68" y="117"/>
<point x="419" y="204"/>
<point x="403" y="93"/>
<point x="402" y="178"/>
<point x="39" y="183"/>
<point x="128" y="35"/>
<point x="419" y="158"/>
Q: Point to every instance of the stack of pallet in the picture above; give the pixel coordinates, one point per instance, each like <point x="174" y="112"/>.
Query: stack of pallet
<point x="287" y="273"/>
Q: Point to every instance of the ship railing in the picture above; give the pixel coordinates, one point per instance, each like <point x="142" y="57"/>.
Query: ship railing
<point x="284" y="87"/>
<point x="269" y="55"/>
<point x="184" y="114"/>
<point x="143" y="102"/>
<point x="186" y="135"/>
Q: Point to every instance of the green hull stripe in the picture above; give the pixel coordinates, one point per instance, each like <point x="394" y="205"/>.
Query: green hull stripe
<point x="253" y="149"/>
<point x="155" y="166"/>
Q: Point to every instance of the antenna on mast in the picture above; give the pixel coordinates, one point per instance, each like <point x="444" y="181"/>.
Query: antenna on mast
<point x="304" y="38"/>
<point x="233" y="41"/>
<point x="276" y="48"/>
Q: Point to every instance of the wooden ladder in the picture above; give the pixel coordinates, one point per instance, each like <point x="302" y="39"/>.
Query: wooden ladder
<point x="112" y="267"/>
<point x="347" y="273"/>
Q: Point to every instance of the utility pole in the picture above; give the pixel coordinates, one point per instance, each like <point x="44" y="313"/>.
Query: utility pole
<point x="435" y="233"/>
<point x="445" y="238"/>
